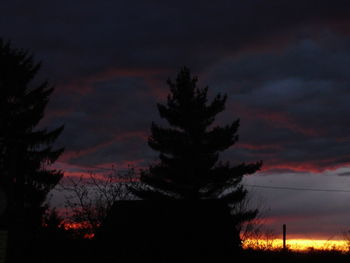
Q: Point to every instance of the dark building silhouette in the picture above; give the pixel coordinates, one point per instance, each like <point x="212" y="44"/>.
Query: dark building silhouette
<point x="172" y="230"/>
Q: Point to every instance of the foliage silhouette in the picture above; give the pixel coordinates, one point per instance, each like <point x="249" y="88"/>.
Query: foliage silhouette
<point x="25" y="152"/>
<point x="189" y="166"/>
<point x="187" y="194"/>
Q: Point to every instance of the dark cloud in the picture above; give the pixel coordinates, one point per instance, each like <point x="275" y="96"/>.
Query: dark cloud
<point x="297" y="98"/>
<point x="344" y="174"/>
<point x="285" y="66"/>
<point x="82" y="37"/>
<point x="110" y="120"/>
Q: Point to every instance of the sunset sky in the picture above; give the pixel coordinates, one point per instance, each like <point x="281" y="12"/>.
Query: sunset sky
<point x="285" y="66"/>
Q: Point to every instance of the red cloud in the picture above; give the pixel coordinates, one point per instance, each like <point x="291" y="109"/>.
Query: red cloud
<point x="256" y="147"/>
<point x="68" y="155"/>
<point x="99" y="172"/>
<point x="276" y="119"/>
<point x="316" y="166"/>
<point x="84" y="85"/>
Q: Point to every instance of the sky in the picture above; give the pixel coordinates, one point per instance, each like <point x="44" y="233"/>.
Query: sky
<point x="285" y="66"/>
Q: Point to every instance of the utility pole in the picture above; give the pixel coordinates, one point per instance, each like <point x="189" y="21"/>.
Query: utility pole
<point x="284" y="236"/>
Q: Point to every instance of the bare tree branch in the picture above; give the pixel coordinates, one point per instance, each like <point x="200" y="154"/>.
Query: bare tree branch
<point x="88" y="199"/>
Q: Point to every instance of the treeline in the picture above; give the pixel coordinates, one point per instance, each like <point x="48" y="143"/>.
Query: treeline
<point x="189" y="166"/>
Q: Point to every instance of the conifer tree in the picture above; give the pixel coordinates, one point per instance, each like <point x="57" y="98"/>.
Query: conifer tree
<point x="26" y="152"/>
<point x="189" y="166"/>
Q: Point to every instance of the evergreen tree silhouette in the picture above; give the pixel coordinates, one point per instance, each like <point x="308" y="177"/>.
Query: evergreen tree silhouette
<point x="189" y="166"/>
<point x="25" y="152"/>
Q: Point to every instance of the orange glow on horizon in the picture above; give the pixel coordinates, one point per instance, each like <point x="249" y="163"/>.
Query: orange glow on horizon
<point x="68" y="226"/>
<point x="79" y="226"/>
<point x="298" y="244"/>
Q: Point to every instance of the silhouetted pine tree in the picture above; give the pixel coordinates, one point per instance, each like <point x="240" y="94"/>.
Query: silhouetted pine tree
<point x="25" y="152"/>
<point x="189" y="166"/>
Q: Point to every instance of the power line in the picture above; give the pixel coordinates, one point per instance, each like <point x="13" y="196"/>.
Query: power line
<point x="298" y="189"/>
<point x="249" y="185"/>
